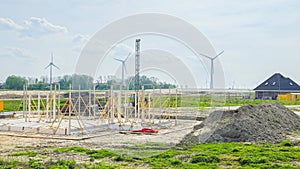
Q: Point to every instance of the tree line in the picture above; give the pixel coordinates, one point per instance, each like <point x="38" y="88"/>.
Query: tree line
<point x="85" y="82"/>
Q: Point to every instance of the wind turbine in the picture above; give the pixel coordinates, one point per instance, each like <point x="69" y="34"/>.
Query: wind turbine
<point x="51" y="64"/>
<point x="212" y="59"/>
<point x="123" y="68"/>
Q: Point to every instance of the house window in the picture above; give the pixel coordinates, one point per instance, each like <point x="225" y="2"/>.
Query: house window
<point x="291" y="84"/>
<point x="266" y="83"/>
<point x="274" y="83"/>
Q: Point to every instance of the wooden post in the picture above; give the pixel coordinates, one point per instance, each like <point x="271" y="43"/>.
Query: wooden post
<point x="119" y="105"/>
<point x="70" y="109"/>
<point x="79" y="103"/>
<point x="176" y="105"/>
<point x="94" y="110"/>
<point x="58" y="100"/>
<point x="112" y="113"/>
<point x="39" y="106"/>
<point x="143" y="104"/>
<point x="29" y="107"/>
<point x="47" y="107"/>
<point x="54" y="103"/>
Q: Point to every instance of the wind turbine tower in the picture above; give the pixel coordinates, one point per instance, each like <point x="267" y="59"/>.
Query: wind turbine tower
<point x="51" y="65"/>
<point x="123" y="68"/>
<point x="212" y="59"/>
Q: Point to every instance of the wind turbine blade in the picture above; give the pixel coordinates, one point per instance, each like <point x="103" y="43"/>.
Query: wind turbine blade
<point x="118" y="59"/>
<point x="205" y="56"/>
<point x="47" y="66"/>
<point x="51" y="57"/>
<point x="127" y="57"/>
<point x="56" y="66"/>
<point x="218" y="54"/>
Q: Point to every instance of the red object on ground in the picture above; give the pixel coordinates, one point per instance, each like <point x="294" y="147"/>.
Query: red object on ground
<point x="146" y="130"/>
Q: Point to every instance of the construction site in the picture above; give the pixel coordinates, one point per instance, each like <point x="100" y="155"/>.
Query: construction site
<point x="131" y="120"/>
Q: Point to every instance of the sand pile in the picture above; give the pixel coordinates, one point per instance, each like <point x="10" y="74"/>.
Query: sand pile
<point x="268" y="122"/>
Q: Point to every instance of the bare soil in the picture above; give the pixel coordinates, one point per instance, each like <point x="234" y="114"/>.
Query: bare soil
<point x="268" y="122"/>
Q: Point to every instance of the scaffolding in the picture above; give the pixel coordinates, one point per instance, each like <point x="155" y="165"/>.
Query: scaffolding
<point x="79" y="111"/>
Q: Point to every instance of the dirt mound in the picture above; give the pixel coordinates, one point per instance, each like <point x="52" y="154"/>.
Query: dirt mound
<point x="268" y="122"/>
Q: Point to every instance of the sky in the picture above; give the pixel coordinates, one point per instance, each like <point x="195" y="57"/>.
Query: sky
<point x="259" y="37"/>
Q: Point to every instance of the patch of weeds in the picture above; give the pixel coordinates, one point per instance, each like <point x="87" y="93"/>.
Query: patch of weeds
<point x="163" y="162"/>
<point x="248" y="160"/>
<point x="286" y="143"/>
<point x="35" y="164"/>
<point x="100" y="166"/>
<point x="94" y="154"/>
<point x="99" y="154"/>
<point x="168" y="154"/>
<point x="123" y="158"/>
<point x="203" y="158"/>
<point x="71" y="149"/>
<point x="24" y="147"/>
<point x="199" y="165"/>
<point x="26" y="153"/>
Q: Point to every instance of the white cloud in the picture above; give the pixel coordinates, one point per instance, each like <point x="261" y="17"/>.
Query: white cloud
<point x="33" y="27"/>
<point x="8" y="24"/>
<point x="79" y="38"/>
<point x="16" y="53"/>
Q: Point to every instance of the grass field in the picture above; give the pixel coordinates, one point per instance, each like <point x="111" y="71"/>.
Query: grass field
<point x="152" y="155"/>
<point x="187" y="101"/>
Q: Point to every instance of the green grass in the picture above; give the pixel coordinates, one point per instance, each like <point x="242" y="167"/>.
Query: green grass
<point x="26" y="153"/>
<point x="213" y="155"/>
<point x="186" y="101"/>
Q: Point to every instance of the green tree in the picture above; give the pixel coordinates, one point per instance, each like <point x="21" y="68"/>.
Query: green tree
<point x="85" y="82"/>
<point x="14" y="82"/>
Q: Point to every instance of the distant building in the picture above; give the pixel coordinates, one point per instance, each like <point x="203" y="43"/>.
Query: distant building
<point x="276" y="84"/>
